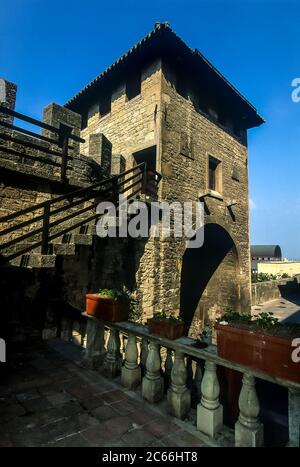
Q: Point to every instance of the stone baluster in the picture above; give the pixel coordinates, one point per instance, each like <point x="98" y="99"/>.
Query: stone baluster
<point x="209" y="410"/>
<point x="112" y="362"/>
<point x="152" y="385"/>
<point x="66" y="332"/>
<point x="95" y="350"/>
<point x="179" y="396"/>
<point x="131" y="372"/>
<point x="144" y="354"/>
<point x="248" y="429"/>
<point x="294" y="417"/>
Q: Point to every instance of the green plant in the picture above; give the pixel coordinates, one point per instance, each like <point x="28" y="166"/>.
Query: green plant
<point x="231" y="316"/>
<point x="125" y="297"/>
<point x="265" y="320"/>
<point x="162" y="315"/>
<point x="264" y="277"/>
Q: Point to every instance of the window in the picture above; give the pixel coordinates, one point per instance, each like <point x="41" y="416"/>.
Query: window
<point x="147" y="155"/>
<point x="133" y="86"/>
<point x="214" y="174"/>
<point x="105" y="105"/>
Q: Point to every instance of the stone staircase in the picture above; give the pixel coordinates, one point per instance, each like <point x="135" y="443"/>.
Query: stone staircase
<point x="63" y="246"/>
<point x="58" y="226"/>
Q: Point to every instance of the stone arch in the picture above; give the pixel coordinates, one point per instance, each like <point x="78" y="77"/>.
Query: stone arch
<point x="210" y="277"/>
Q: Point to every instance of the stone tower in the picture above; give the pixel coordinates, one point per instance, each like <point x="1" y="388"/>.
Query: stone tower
<point x="164" y="103"/>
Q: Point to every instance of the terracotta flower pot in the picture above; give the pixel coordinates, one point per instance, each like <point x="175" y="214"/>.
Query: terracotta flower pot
<point x="166" y="328"/>
<point x="106" y="308"/>
<point x="259" y="351"/>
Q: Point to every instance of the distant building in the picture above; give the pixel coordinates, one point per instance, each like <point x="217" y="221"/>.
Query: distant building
<point x="264" y="253"/>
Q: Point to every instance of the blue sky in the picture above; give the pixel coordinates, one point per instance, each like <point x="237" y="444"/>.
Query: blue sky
<point x="53" y="48"/>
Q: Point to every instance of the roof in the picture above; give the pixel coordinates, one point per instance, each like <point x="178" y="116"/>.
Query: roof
<point x="266" y="251"/>
<point x="163" y="42"/>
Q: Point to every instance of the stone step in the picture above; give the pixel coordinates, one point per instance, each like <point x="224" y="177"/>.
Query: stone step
<point x="83" y="239"/>
<point x="64" y="249"/>
<point x="34" y="260"/>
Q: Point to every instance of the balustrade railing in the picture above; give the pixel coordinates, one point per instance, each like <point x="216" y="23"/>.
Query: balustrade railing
<point x="186" y="373"/>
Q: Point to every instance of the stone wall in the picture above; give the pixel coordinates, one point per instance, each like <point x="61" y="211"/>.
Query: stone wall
<point x="188" y="138"/>
<point x="270" y="290"/>
<point x="279" y="267"/>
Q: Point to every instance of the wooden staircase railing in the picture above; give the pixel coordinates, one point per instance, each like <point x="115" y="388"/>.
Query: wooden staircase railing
<point x="57" y="217"/>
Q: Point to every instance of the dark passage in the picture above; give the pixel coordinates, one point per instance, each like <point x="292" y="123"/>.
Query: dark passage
<point x="198" y="267"/>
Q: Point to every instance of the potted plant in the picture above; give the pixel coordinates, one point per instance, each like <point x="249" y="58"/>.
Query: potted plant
<point x="166" y="326"/>
<point x="109" y="305"/>
<point x="260" y="342"/>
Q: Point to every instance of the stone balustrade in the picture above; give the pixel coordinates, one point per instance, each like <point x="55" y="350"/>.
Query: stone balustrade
<point x="184" y="374"/>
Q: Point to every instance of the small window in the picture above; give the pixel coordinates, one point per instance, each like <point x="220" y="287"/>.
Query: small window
<point x="214" y="174"/>
<point x="105" y="105"/>
<point x="133" y="86"/>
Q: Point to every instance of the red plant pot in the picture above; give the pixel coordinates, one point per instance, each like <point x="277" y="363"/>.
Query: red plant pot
<point x="166" y="328"/>
<point x="106" y="308"/>
<point x="259" y="351"/>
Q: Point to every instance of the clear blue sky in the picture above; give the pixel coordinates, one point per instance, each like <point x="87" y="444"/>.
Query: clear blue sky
<point x="53" y="48"/>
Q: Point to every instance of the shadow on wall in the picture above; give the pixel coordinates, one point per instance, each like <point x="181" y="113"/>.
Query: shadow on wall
<point x="199" y="266"/>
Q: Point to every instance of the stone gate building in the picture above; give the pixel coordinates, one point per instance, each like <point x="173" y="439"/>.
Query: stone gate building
<point x="164" y="103"/>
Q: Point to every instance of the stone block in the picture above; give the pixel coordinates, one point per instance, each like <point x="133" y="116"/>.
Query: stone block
<point x="153" y="390"/>
<point x="247" y="437"/>
<point x="179" y="403"/>
<point x="209" y="421"/>
<point x="130" y="378"/>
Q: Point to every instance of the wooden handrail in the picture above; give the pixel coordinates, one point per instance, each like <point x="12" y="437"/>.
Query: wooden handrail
<point x="106" y="190"/>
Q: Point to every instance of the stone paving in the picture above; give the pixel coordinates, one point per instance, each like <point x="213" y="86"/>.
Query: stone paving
<point x="48" y="400"/>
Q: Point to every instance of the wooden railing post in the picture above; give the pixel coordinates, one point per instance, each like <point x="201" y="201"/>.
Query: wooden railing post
<point x="63" y="141"/>
<point x="249" y="431"/>
<point x="144" y="179"/>
<point x="45" y="233"/>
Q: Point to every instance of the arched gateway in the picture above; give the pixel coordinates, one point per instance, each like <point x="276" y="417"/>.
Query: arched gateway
<point x="210" y="278"/>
